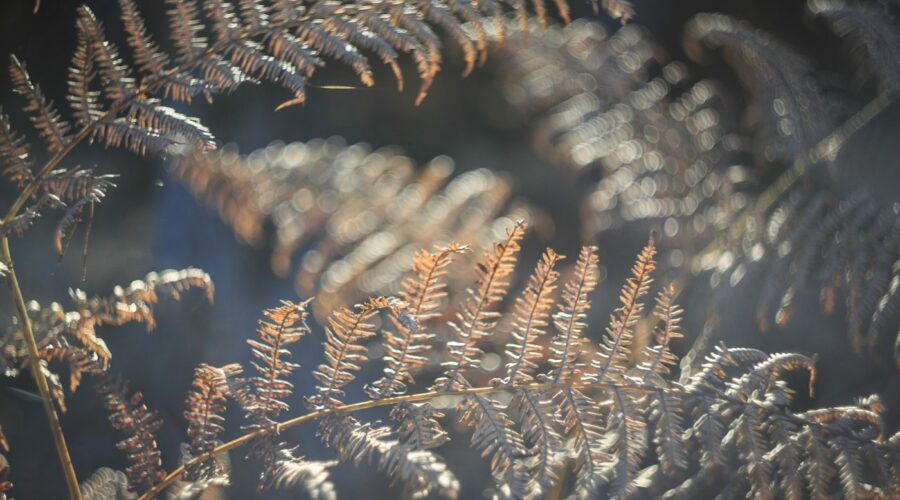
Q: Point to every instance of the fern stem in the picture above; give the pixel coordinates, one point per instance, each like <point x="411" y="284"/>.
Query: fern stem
<point x="365" y="405"/>
<point x="35" y="362"/>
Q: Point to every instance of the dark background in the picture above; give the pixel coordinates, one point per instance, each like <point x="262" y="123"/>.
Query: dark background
<point x="151" y="222"/>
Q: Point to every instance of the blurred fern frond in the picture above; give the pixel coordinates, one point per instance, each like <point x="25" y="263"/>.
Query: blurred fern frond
<point x="668" y="156"/>
<point x="358" y="216"/>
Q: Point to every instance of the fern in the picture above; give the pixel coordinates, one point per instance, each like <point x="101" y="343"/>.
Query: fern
<point x="669" y="158"/>
<point x="71" y="337"/>
<point x="130" y="415"/>
<point x="630" y="429"/>
<point x="371" y="210"/>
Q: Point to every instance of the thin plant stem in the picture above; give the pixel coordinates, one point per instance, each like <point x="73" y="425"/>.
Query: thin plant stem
<point x="35" y="362"/>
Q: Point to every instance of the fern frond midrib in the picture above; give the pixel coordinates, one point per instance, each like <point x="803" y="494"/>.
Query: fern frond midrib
<point x="546" y="279"/>
<point x="567" y="334"/>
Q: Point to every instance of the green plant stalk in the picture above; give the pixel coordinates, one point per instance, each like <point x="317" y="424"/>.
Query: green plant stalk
<point x="34" y="361"/>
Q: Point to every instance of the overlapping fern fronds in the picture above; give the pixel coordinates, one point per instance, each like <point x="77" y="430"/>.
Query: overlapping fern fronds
<point x="218" y="46"/>
<point x="620" y="423"/>
<point x="364" y="213"/>
<point x="70" y="337"/>
<point x="668" y="156"/>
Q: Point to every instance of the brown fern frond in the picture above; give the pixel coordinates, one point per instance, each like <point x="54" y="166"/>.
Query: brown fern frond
<point x="530" y="318"/>
<point x="71" y="337"/>
<point x="44" y="116"/>
<point x="496" y="437"/>
<point x="658" y="359"/>
<point x="344" y="352"/>
<point x="5" y="483"/>
<point x="130" y="415"/>
<point x="613" y="356"/>
<point x="284" y="325"/>
<point x="569" y="320"/>
<point x="475" y="319"/>
<point x="14" y="154"/>
<point x="420" y="470"/>
<point x="297" y="474"/>
<point x="537" y="417"/>
<point x="204" y="410"/>
<point x="419" y="427"/>
<point x="359" y="216"/>
<point x="423" y="290"/>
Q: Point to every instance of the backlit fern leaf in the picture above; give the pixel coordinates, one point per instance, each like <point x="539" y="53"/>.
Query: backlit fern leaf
<point x="283" y="326"/>
<point x="71" y="336"/>
<point x="204" y="411"/>
<point x="344" y="352"/>
<point x="476" y="319"/>
<point x="530" y="318"/>
<point x="14" y="154"/>
<point x="130" y="415"/>
<point x="358" y="216"/>
<point x="45" y="118"/>
<point x="423" y="290"/>
<point x="107" y="484"/>
<point x="613" y="356"/>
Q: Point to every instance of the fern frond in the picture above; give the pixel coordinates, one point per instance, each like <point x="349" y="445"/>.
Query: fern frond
<point x="71" y="337"/>
<point x="420" y="470"/>
<point x="44" y="116"/>
<point x="613" y="356"/>
<point x="537" y="417"/>
<point x="14" y="154"/>
<point x="298" y="474"/>
<point x="788" y="104"/>
<point x="129" y="415"/>
<point x="496" y="437"/>
<point x="344" y="352"/>
<point x="204" y="411"/>
<point x="423" y="290"/>
<point x="359" y="216"/>
<point x="419" y="427"/>
<point x="284" y="325"/>
<point x="569" y="320"/>
<point x="475" y="319"/>
<point x="658" y="359"/>
<point x="530" y="318"/>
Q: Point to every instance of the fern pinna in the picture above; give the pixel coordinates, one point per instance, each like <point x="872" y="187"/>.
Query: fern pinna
<point x="595" y="421"/>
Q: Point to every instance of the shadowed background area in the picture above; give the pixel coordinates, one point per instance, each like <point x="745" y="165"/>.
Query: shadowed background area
<point x="152" y="222"/>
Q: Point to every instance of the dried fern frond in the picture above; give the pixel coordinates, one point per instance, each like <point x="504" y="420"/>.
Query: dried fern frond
<point x="669" y="159"/>
<point x="371" y="211"/>
<point x="476" y="317"/>
<point x="615" y="349"/>
<point x="203" y="411"/>
<point x="130" y="415"/>
<point x="631" y="430"/>
<point x="788" y="111"/>
<point x="344" y="352"/>
<point x="530" y="319"/>
<point x="71" y="337"/>
<point x="423" y="290"/>
<point x="660" y="142"/>
<point x="107" y="484"/>
<point x="283" y="326"/>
